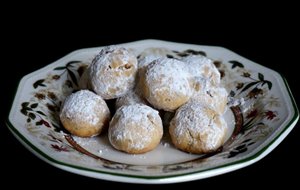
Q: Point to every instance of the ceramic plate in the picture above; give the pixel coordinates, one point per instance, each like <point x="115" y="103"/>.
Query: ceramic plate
<point x="262" y="115"/>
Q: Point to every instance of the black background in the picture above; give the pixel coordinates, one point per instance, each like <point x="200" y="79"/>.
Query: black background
<point x="31" y="42"/>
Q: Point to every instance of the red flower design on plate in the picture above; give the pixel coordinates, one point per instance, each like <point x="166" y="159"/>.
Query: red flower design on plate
<point x="270" y="115"/>
<point x="252" y="114"/>
<point x="59" y="148"/>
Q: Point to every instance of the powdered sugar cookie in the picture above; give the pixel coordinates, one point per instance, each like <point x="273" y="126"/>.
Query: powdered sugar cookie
<point x="196" y="128"/>
<point x="166" y="84"/>
<point x="135" y="129"/>
<point x="84" y="114"/>
<point x="112" y="72"/>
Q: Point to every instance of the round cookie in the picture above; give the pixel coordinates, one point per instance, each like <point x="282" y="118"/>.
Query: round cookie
<point x="84" y="114"/>
<point x="135" y="129"/>
<point x="166" y="84"/>
<point x="197" y="129"/>
<point x="112" y="72"/>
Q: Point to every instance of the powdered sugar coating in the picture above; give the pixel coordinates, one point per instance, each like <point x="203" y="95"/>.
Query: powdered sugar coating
<point x="84" y="111"/>
<point x="135" y="129"/>
<point x="132" y="97"/>
<point x="201" y="66"/>
<point x="166" y="84"/>
<point x="145" y="61"/>
<point x="197" y="129"/>
<point x="112" y="72"/>
<point x="214" y="97"/>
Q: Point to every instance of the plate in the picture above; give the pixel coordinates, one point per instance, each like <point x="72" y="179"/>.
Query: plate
<point x="261" y="115"/>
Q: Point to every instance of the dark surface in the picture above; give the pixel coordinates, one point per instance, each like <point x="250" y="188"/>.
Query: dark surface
<point x="33" y="47"/>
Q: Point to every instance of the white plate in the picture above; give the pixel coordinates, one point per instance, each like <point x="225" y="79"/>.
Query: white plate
<point x="268" y="114"/>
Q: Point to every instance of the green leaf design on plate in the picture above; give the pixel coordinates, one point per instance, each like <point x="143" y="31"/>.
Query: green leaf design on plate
<point x="34" y="105"/>
<point x="25" y="104"/>
<point x="236" y="64"/>
<point x="24" y="111"/>
<point x="60" y="68"/>
<point x="39" y="83"/>
<point x="32" y="116"/>
<point x="39" y="122"/>
<point x="249" y="85"/>
<point x="57" y="128"/>
<point x="169" y="56"/>
<point x="81" y="70"/>
<point x="194" y="52"/>
<point x="40" y="112"/>
<point x="70" y="64"/>
<point x="73" y="77"/>
<point x="269" y="84"/>
<point x="261" y="77"/>
<point x="188" y="52"/>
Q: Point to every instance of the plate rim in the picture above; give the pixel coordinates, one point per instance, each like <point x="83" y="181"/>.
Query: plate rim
<point x="155" y="179"/>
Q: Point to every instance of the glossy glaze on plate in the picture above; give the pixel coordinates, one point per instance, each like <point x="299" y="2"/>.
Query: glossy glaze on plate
<point x="268" y="115"/>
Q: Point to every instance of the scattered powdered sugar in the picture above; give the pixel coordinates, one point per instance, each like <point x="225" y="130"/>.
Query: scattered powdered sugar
<point x="84" y="106"/>
<point x="236" y="101"/>
<point x="95" y="145"/>
<point x="135" y="124"/>
<point x="85" y="142"/>
<point x="139" y="156"/>
<point x="113" y="72"/>
<point x="166" y="144"/>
